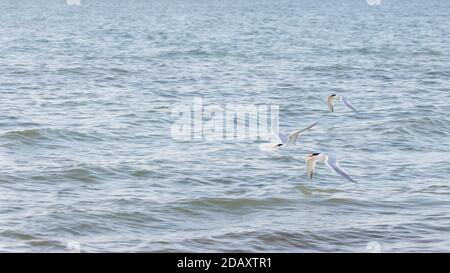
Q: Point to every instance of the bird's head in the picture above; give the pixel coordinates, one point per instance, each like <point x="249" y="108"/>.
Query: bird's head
<point x="331" y="97"/>
<point x="313" y="155"/>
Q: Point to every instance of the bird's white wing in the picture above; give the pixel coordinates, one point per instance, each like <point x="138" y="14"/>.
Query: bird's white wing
<point x="282" y="138"/>
<point x="310" y="166"/>
<point x="332" y="163"/>
<point x="348" y="104"/>
<point x="293" y="137"/>
<point x="330" y="103"/>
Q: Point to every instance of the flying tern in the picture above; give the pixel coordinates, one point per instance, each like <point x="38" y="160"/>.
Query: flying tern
<point x="331" y="100"/>
<point x="291" y="139"/>
<point x="331" y="162"/>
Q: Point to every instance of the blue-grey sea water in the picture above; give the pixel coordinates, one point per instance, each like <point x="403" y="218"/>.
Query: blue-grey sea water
<point x="86" y="153"/>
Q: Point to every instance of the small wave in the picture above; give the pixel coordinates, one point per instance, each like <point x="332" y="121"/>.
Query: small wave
<point x="16" y="235"/>
<point x="190" y="53"/>
<point x="30" y="136"/>
<point x="426" y="127"/>
<point x="119" y="70"/>
<point x="81" y="174"/>
<point x="31" y="133"/>
<point x="236" y="203"/>
<point x="74" y="71"/>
